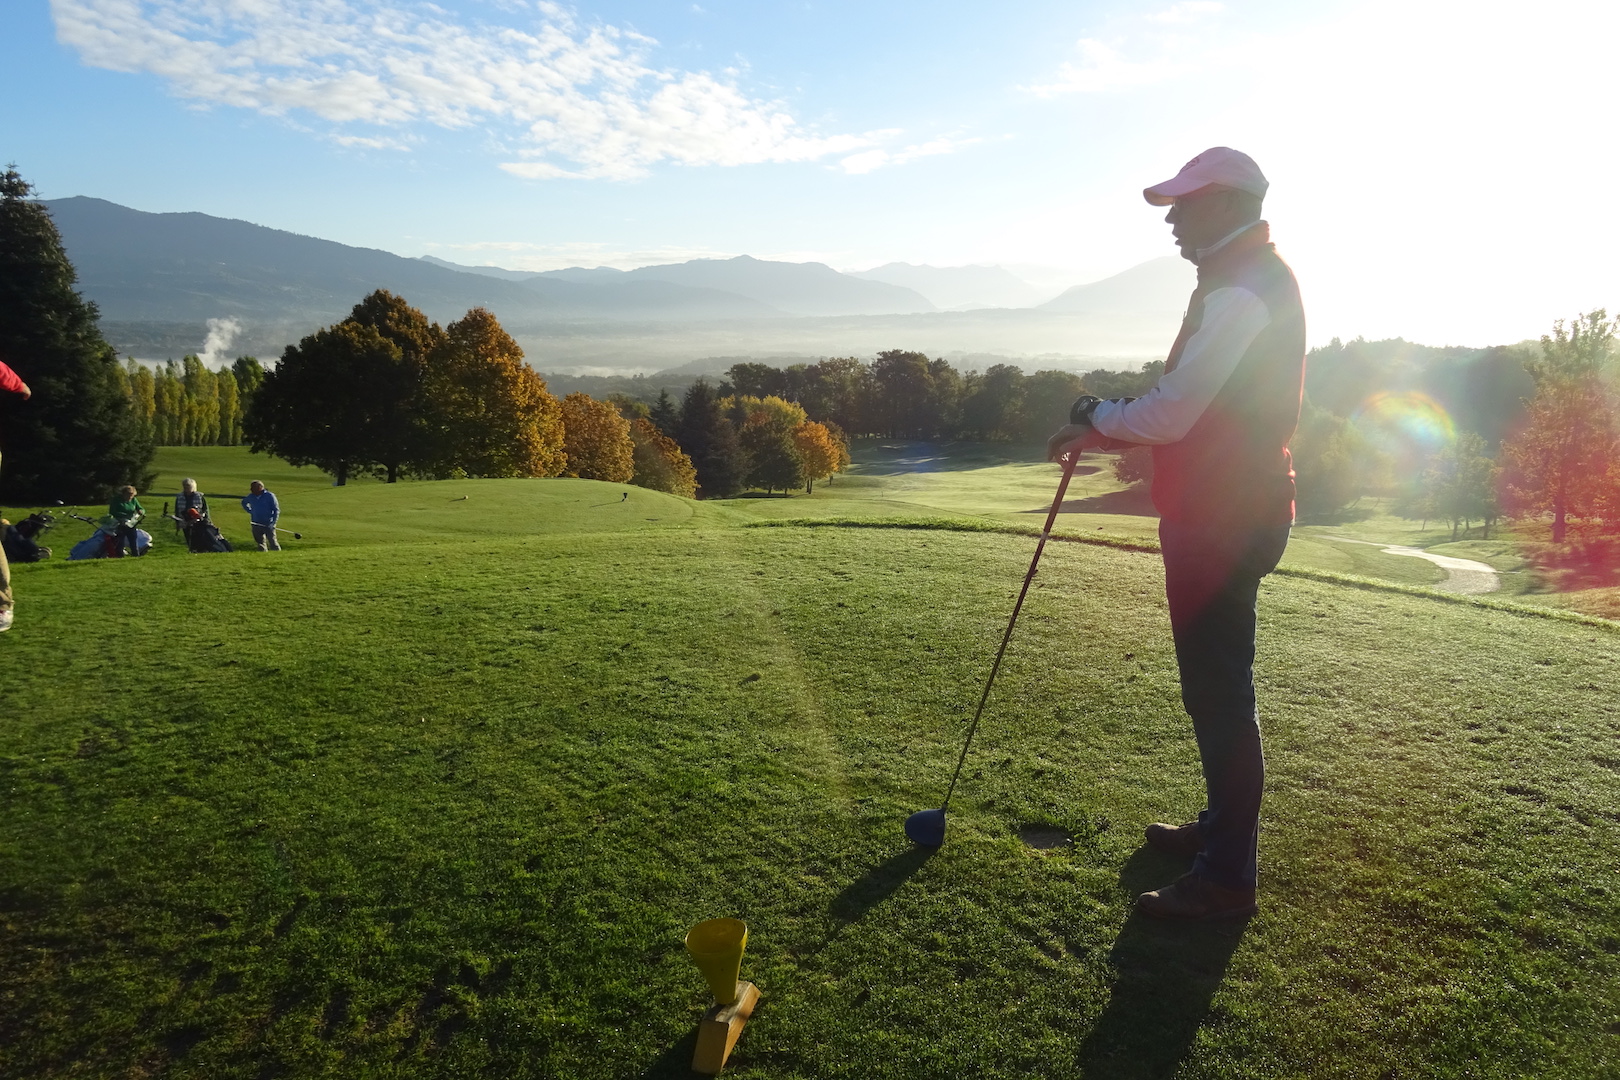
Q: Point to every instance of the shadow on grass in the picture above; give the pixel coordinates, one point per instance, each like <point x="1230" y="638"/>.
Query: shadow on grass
<point x="877" y="884"/>
<point x="1135" y="501"/>
<point x="676" y="1061"/>
<point x="1166" y="975"/>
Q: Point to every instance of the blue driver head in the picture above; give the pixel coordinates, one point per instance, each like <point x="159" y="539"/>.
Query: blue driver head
<point x="926" y="828"/>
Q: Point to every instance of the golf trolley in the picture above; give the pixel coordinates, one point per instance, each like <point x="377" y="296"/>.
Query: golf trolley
<point x="202" y="535"/>
<point x="21" y="540"/>
<point x="104" y="542"/>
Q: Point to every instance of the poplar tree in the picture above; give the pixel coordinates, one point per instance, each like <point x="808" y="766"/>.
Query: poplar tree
<point x="79" y="436"/>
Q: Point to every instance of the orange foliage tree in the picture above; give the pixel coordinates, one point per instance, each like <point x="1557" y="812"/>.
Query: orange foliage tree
<point x="597" y="440"/>
<point x="1563" y="461"/>
<point x="496" y="417"/>
<point x="821" y="449"/>
<point x="660" y="463"/>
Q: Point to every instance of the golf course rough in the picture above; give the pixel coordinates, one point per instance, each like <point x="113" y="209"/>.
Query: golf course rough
<point x="438" y="791"/>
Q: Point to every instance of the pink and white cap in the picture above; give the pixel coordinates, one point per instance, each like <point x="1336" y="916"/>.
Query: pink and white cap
<point x="1218" y="165"/>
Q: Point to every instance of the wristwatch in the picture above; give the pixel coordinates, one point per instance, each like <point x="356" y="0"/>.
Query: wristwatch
<point x="1084" y="405"/>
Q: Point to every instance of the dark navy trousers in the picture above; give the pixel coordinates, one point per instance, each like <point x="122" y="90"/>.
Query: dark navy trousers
<point x="1212" y="578"/>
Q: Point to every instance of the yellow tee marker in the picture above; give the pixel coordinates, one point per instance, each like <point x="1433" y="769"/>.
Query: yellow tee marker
<point x="716" y="947"/>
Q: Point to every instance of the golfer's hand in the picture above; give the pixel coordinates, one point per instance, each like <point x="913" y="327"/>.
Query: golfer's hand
<point x="1070" y="439"/>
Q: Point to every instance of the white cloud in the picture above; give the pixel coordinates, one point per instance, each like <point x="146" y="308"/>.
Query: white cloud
<point x="1103" y="68"/>
<point x="877" y="158"/>
<point x="1190" y="11"/>
<point x="570" y="100"/>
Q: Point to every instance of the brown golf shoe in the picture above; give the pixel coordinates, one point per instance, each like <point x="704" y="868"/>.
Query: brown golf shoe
<point x="1194" y="899"/>
<point x="1184" y="840"/>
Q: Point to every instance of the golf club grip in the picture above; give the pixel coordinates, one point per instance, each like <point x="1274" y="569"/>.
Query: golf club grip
<point x="1040" y="546"/>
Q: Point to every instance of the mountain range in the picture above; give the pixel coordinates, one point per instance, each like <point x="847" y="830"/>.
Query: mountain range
<point x="160" y="278"/>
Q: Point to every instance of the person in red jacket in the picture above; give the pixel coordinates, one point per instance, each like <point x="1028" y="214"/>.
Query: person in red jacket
<point x="12" y="384"/>
<point x="1219" y="421"/>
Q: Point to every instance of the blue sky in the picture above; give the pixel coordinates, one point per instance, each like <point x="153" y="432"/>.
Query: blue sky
<point x="1429" y="160"/>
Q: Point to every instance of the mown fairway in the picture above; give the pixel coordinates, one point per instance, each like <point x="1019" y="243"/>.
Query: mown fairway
<point x="437" y="791"/>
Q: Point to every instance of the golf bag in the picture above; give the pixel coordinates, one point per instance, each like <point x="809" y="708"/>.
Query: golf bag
<point x="21" y="541"/>
<point x="203" y="537"/>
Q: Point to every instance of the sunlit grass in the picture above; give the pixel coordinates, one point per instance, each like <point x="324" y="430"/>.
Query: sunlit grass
<point x="437" y="792"/>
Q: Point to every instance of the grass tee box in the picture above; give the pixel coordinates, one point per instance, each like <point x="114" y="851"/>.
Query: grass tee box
<point x="439" y="792"/>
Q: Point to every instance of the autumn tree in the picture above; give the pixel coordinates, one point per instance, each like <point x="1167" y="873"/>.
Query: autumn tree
<point x="660" y="464"/>
<point x="230" y="408"/>
<point x="708" y="435"/>
<point x="78" y="436"/>
<point x="819" y="452"/>
<point x="1560" y="462"/>
<point x="596" y="440"/>
<point x="142" y="393"/>
<point x="201" y="391"/>
<point x="491" y="412"/>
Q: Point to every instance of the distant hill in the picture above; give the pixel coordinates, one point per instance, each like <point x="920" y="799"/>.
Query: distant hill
<point x="487" y="271"/>
<point x="958" y="288"/>
<point x="142" y="267"/>
<point x="159" y="278"/>
<point x="1154" y="289"/>
<point x="797" y="288"/>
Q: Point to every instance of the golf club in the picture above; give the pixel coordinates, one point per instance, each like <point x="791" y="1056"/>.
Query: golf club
<point x="927" y="827"/>
<point x="276" y="528"/>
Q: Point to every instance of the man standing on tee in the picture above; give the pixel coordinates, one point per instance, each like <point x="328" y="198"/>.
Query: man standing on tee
<point x="1219" y="421"/>
<point x="10" y="383"/>
<point x="263" y="513"/>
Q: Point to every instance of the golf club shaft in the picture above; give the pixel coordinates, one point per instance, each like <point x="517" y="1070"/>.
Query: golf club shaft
<point x="1057" y="503"/>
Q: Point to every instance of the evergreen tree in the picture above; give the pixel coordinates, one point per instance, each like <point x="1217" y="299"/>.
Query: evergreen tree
<point x="663" y="414"/>
<point x="79" y="436"/>
<point x="706" y="434"/>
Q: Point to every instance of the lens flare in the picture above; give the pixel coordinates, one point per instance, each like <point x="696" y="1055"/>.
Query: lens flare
<point x="1406" y="425"/>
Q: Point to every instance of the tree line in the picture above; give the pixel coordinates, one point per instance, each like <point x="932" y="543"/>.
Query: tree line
<point x="386" y="391"/>
<point x="185" y="403"/>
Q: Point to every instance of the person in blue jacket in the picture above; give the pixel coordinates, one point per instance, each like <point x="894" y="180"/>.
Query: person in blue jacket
<point x="263" y="513"/>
